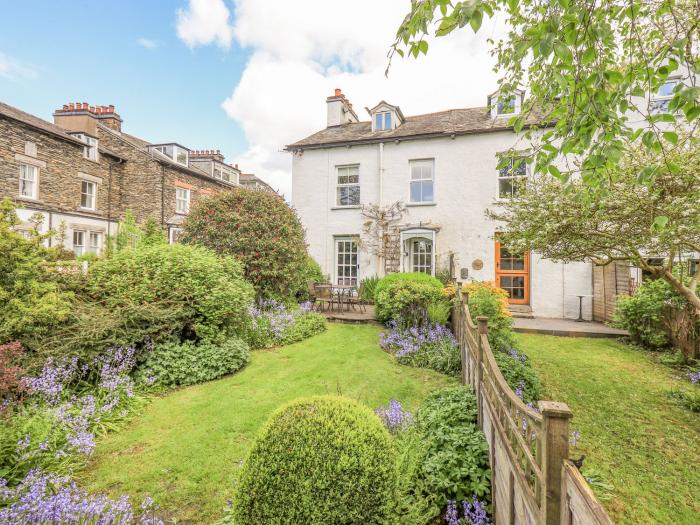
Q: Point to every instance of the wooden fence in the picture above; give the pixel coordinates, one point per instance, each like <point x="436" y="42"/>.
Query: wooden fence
<point x="533" y="482"/>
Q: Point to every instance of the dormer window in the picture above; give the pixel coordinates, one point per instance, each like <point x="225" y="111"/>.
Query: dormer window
<point x="90" y="150"/>
<point x="505" y="106"/>
<point x="174" y="152"/>
<point x="385" y="117"/>
<point x="382" y="121"/>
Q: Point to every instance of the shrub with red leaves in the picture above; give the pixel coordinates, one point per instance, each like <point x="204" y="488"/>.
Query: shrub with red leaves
<point x="10" y="372"/>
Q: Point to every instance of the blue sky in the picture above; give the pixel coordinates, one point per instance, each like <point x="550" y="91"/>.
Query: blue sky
<point x="90" y="51"/>
<point x="243" y="76"/>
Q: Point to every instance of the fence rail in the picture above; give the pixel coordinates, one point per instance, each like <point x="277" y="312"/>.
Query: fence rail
<point x="532" y="481"/>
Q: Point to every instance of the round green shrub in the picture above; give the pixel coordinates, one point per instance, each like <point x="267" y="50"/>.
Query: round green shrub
<point x="310" y="272"/>
<point x="399" y="294"/>
<point x="173" y="364"/>
<point x="260" y="230"/>
<point x="319" y="460"/>
<point x="209" y="291"/>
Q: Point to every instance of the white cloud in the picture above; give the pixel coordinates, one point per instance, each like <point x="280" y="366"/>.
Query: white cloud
<point x="148" y="43"/>
<point x="205" y="22"/>
<point x="304" y="49"/>
<point x="16" y="71"/>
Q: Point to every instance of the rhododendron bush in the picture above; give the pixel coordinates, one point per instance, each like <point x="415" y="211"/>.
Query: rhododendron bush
<point x="259" y="229"/>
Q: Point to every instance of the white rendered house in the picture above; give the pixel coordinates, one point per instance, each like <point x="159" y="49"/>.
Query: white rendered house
<point x="444" y="167"/>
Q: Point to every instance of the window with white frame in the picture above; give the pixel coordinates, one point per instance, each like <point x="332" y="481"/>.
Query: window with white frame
<point x="182" y="200"/>
<point x="174" y="235"/>
<point x="382" y="121"/>
<point x="94" y="242"/>
<point x="28" y="181"/>
<point x="348" y="192"/>
<point x="347" y="263"/>
<point x="421" y="255"/>
<point x="422" y="178"/>
<point x="90" y="149"/>
<point x="511" y="177"/>
<point x="88" y="194"/>
<point x="659" y="100"/>
<point x="507" y="106"/>
<point x="174" y="152"/>
<point x="78" y="242"/>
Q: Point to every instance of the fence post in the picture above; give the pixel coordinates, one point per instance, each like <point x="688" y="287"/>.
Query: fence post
<point x="483" y="330"/>
<point x="555" y="449"/>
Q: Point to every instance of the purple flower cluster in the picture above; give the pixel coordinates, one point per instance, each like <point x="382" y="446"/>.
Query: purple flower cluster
<point x="394" y="417"/>
<point x="272" y="316"/>
<point x="575" y="436"/>
<point x="48" y="498"/>
<point x="405" y="342"/>
<point x="306" y="307"/>
<point x="473" y="513"/>
<point x="54" y="377"/>
<point x="514" y="354"/>
<point x="694" y="377"/>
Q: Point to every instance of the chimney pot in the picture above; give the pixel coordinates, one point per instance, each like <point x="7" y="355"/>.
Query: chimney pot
<point x="338" y="92"/>
<point x="71" y="106"/>
<point x="92" y="109"/>
<point x="111" y="108"/>
<point x="236" y="166"/>
<point x="65" y="107"/>
<point x="85" y="106"/>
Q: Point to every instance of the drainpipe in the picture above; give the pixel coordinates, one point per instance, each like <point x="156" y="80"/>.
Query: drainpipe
<point x="162" y="195"/>
<point x="381" y="194"/>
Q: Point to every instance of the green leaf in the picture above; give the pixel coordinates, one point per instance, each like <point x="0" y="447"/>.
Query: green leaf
<point x="660" y="223"/>
<point x="671" y="136"/>
<point x="476" y="19"/>
<point x="692" y="113"/>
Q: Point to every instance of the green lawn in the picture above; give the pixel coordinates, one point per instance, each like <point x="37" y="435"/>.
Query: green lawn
<point x="185" y="449"/>
<point x="640" y="440"/>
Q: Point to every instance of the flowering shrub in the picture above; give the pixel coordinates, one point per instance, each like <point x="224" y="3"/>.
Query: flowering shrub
<point x="394" y="417"/>
<point x="486" y="299"/>
<point x="188" y="363"/>
<point x="10" y="371"/>
<point x="272" y="323"/>
<point x="338" y="463"/>
<point x="55" y="429"/>
<point x="49" y="498"/>
<point x="473" y="513"/>
<point x="260" y="230"/>
<point x="428" y="346"/>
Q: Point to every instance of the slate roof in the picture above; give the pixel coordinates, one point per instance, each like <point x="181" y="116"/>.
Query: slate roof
<point x="30" y="120"/>
<point x="443" y="123"/>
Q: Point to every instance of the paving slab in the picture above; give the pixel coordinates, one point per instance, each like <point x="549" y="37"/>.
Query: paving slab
<point x="565" y="327"/>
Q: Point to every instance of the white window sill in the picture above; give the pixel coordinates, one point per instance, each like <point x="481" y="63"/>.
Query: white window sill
<point x="352" y="207"/>
<point x="29" y="199"/>
<point x="81" y="208"/>
<point x="421" y="203"/>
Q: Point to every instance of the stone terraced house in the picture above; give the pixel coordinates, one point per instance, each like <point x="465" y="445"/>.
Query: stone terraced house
<point x="83" y="172"/>
<point x="443" y="167"/>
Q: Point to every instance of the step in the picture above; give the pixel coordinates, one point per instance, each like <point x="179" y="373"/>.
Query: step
<point x="521" y="310"/>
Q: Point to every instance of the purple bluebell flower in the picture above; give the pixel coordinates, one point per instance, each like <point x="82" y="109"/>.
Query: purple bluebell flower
<point x="394" y="417"/>
<point x="575" y="436"/>
<point x="694" y="377"/>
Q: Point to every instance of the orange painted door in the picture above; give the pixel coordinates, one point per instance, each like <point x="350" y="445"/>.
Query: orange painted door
<point x="513" y="274"/>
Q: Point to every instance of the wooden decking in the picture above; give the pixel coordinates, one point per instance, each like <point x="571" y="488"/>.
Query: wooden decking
<point x="352" y="316"/>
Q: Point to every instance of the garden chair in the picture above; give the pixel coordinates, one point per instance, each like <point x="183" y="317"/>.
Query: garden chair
<point x="323" y="296"/>
<point x="355" y="299"/>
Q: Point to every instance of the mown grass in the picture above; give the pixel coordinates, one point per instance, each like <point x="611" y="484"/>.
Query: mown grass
<point x="186" y="448"/>
<point x="641" y="441"/>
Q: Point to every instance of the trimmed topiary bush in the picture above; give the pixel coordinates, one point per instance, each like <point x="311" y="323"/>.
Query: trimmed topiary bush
<point x="403" y="295"/>
<point x="259" y="229"/>
<point x="317" y="461"/>
<point x="174" y="364"/>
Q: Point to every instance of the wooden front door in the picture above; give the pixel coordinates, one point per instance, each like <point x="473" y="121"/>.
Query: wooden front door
<point x="513" y="274"/>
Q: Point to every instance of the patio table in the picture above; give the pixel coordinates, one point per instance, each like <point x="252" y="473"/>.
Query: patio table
<point x="341" y="291"/>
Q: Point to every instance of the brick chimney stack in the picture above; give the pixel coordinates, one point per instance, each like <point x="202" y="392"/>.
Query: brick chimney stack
<point x="208" y="154"/>
<point x="80" y="116"/>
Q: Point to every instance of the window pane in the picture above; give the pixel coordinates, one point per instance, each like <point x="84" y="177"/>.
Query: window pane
<point x="415" y="192"/>
<point x="354" y="196"/>
<point x="387" y="120"/>
<point x="666" y="90"/>
<point x="427" y="191"/>
<point x="378" y="121"/>
<point x="505" y="188"/>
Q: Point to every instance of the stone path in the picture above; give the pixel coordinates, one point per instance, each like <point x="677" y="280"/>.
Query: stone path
<point x="565" y="327"/>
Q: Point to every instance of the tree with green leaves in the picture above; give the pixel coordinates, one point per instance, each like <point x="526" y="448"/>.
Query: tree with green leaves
<point x="588" y="68"/>
<point x="622" y="221"/>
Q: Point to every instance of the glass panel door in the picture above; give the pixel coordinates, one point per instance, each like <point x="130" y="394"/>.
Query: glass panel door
<point x="513" y="274"/>
<point x="346" y="262"/>
<point x="421" y="255"/>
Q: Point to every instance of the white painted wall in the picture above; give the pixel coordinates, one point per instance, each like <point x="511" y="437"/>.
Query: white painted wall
<point x="465" y="185"/>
